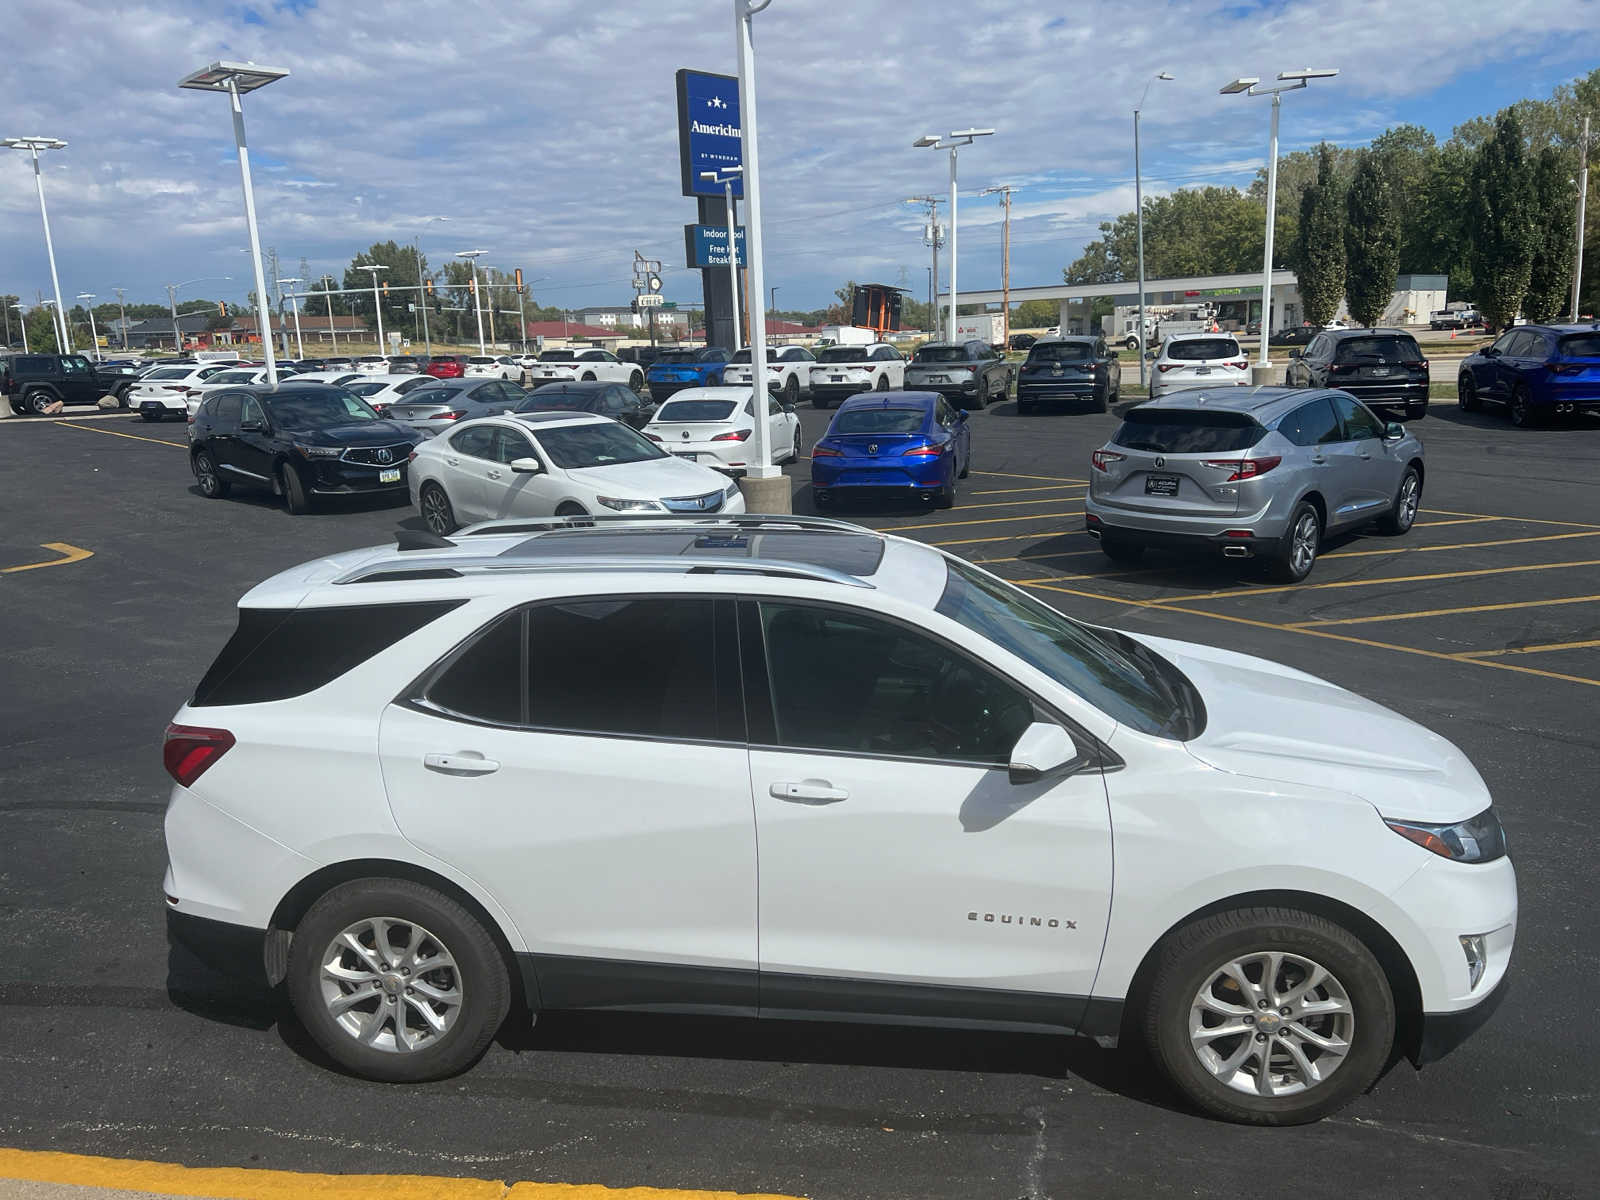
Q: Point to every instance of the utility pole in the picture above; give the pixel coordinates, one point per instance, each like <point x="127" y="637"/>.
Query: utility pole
<point x="123" y="310"/>
<point x="1583" y="195"/>
<point x="933" y="238"/>
<point x="1005" y="261"/>
<point x="172" y="303"/>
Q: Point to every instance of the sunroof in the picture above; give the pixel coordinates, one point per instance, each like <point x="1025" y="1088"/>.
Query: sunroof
<point x="853" y="554"/>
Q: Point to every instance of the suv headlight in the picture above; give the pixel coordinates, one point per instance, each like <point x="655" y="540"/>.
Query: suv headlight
<point x="1478" y="839"/>
<point x="623" y="504"/>
<point x="319" y="451"/>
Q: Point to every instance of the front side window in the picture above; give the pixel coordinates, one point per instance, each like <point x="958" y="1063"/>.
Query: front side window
<point x="598" y="445"/>
<point x="73" y="365"/>
<point x="886" y="690"/>
<point x="885" y="354"/>
<point x="1359" y="424"/>
<point x="509" y="445"/>
<point x="1503" y="342"/>
<point x="250" y="412"/>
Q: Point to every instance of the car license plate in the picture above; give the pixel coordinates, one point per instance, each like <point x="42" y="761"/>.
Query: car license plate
<point x="1379" y="372"/>
<point x="938" y="379"/>
<point x="392" y="475"/>
<point x="684" y="454"/>
<point x="1160" y="485"/>
<point x="1202" y="370"/>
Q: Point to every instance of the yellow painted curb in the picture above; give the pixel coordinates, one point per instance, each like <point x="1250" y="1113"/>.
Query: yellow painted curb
<point x="69" y="554"/>
<point x="237" y="1183"/>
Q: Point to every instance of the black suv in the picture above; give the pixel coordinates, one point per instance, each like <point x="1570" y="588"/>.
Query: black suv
<point x="298" y="441"/>
<point x="1081" y="370"/>
<point x="34" y="381"/>
<point x="1384" y="368"/>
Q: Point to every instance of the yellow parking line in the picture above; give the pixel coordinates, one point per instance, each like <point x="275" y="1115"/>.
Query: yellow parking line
<point x="1054" y="487"/>
<point x="1458" y="521"/>
<point x="69" y="554"/>
<point x="1355" y="583"/>
<point x="1046" y="478"/>
<point x="1445" y="512"/>
<point x="1319" y="633"/>
<point x="239" y="1183"/>
<point x="113" y="433"/>
<point x="984" y="521"/>
<point x="1446" y="612"/>
<point x="1523" y="541"/>
<point x="1039" y="557"/>
<point x="1541" y="649"/>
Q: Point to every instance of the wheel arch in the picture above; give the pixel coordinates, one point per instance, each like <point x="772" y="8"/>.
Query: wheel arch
<point x="1392" y="958"/>
<point x="1422" y="472"/>
<point x="1316" y="500"/>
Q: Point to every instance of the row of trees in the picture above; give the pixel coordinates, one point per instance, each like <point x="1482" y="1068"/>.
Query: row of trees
<point x="41" y="330"/>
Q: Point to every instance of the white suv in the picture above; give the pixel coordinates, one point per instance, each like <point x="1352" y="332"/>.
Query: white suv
<point x="788" y="767"/>
<point x="1193" y="360"/>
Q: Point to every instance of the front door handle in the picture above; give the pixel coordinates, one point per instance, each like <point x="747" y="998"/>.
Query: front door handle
<point x="1365" y="455"/>
<point x="1319" y="460"/>
<point x="494" y="474"/>
<point x="462" y="762"/>
<point x="808" y="791"/>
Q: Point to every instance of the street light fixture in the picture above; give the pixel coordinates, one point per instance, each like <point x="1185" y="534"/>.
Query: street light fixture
<point x="1138" y="208"/>
<point x="33" y="145"/>
<point x="1289" y="81"/>
<point x="377" y="303"/>
<point x="477" y="296"/>
<point x="294" y="303"/>
<point x="953" y="142"/>
<point x="94" y="334"/>
<point x="234" y="79"/>
<point x="726" y="177"/>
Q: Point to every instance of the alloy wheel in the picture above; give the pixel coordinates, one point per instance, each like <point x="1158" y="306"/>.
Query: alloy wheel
<point x="1303" y="543"/>
<point x="1410" y="497"/>
<point x="436" y="511"/>
<point x="391" y="984"/>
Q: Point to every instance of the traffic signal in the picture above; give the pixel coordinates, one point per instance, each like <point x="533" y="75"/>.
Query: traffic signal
<point x="519" y="280"/>
<point x="429" y="285"/>
<point x="385" y="289"/>
<point x="222" y="308"/>
<point x="472" y="285"/>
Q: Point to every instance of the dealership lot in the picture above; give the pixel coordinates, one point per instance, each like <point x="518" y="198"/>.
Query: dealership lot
<point x="1483" y="623"/>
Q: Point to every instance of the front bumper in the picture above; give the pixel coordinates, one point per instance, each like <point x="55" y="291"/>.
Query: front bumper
<point x="1442" y="1032"/>
<point x="336" y="478"/>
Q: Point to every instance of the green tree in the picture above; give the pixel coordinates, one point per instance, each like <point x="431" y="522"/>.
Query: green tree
<point x="1504" y="229"/>
<point x="1371" y="241"/>
<point x="1320" y="254"/>
<point x="41" y="325"/>
<point x="1555" y="200"/>
<point x="1194" y="231"/>
<point x="400" y="273"/>
<point x="1036" y="314"/>
<point x="1408" y="156"/>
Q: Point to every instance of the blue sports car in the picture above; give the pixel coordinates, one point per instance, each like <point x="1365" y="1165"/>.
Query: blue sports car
<point x="687" y="367"/>
<point x="907" y="442"/>
<point x="1534" y="371"/>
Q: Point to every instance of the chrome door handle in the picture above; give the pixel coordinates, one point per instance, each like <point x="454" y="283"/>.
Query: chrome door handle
<point x="462" y="762"/>
<point x="454" y="462"/>
<point x="1366" y="456"/>
<point x="808" y="791"/>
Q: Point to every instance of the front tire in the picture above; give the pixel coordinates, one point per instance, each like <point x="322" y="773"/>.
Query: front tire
<point x="1403" y="514"/>
<point x="1269" y="1016"/>
<point x="437" y="513"/>
<point x="294" y="492"/>
<point x="35" y="400"/>
<point x="1301" y="542"/>
<point x="636" y="383"/>
<point x="396" y="981"/>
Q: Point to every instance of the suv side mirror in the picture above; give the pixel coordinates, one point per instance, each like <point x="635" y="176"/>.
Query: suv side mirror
<point x="1149" y="356"/>
<point x="1044" y="749"/>
<point x="525" y="466"/>
<point x="1296" y="354"/>
<point x="1490" y="352"/>
<point x="1393" y="431"/>
<point x="252" y="427"/>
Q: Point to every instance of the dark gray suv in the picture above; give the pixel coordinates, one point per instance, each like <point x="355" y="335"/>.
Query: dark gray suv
<point x="1384" y="368"/>
<point x="1260" y="472"/>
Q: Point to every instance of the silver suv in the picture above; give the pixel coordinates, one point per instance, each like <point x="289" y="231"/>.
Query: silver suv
<point x="1262" y="472"/>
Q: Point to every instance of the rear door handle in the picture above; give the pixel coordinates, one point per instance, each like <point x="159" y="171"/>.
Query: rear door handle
<point x="1319" y="460"/>
<point x="462" y="762"/>
<point x="808" y="791"/>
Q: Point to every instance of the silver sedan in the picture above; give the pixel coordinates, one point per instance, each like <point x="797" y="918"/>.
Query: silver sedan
<point x="432" y="410"/>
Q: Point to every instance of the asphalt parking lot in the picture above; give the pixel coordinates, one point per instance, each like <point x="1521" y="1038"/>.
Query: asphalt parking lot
<point x="117" y="584"/>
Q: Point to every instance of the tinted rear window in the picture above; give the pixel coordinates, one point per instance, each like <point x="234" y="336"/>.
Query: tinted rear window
<point x="843" y="354"/>
<point x="676" y="356"/>
<point x="1580" y="345"/>
<point x="880" y="420"/>
<point x="1054" y="352"/>
<point x="940" y="354"/>
<point x="1377" y="349"/>
<point x="695" y="410"/>
<point x="1180" y="431"/>
<point x="1193" y="349"/>
<point x="277" y="653"/>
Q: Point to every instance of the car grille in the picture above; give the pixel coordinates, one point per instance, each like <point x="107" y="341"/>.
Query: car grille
<point x="377" y="456"/>
<point x="710" y="502"/>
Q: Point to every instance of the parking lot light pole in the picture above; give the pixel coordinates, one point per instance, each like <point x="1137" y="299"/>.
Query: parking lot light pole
<point x="33" y="145"/>
<point x="1138" y="208"/>
<point x="953" y="143"/>
<point x="422" y="291"/>
<point x="477" y="295"/>
<point x="725" y="176"/>
<point x="377" y="301"/>
<point x="235" y="79"/>
<point x="294" y="304"/>
<point x="57" y="324"/>
<point x="1289" y="81"/>
<point x="122" y="310"/>
<point x="94" y="334"/>
<point x="23" y="314"/>
<point x="333" y="332"/>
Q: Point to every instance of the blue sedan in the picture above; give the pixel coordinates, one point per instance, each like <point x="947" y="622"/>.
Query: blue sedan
<point x="910" y="443"/>
<point x="1534" y="371"/>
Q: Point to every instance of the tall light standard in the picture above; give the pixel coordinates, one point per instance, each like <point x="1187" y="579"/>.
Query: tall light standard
<point x="122" y="310"/>
<point x="327" y="285"/>
<point x="172" y="304"/>
<point x="1583" y="197"/>
<point x="58" y="323"/>
<point x="477" y="297"/>
<point x="1251" y="86"/>
<point x="94" y="334"/>
<point x="234" y="80"/>
<point x="294" y="303"/>
<point x="377" y="303"/>
<point x="1138" y="208"/>
<point x="725" y="176"/>
<point x="33" y="145"/>
<point x="22" y="313"/>
<point x="422" y="292"/>
<point x="957" y="139"/>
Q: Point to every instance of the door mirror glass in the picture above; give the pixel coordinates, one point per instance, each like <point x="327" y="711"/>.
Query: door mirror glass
<point x="1393" y="431"/>
<point x="525" y="466"/>
<point x="1149" y="356"/>
<point x="1491" y="352"/>
<point x="1044" y="749"/>
<point x="1296" y="354"/>
<point x="961" y="415"/>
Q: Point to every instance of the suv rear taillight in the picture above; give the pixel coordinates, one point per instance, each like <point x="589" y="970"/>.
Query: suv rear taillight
<point x="1102" y="459"/>
<point x="1239" y="364"/>
<point x="189" y="751"/>
<point x="1243" y="468"/>
<point x="450" y="416"/>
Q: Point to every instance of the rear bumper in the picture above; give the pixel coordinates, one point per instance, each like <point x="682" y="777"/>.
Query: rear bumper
<point x="1163" y="387"/>
<point x="839" y="391"/>
<point x="237" y="951"/>
<point x="1044" y="393"/>
<point x="1161" y="539"/>
<point x="922" y="478"/>
<point x="1387" y="395"/>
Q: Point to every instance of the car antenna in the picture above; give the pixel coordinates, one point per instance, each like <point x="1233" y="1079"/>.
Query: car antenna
<point x="420" y="539"/>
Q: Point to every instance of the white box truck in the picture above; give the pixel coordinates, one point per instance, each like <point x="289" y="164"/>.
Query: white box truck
<point x="985" y="327"/>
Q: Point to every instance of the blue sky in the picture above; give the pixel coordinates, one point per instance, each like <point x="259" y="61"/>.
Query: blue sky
<point x="546" y="132"/>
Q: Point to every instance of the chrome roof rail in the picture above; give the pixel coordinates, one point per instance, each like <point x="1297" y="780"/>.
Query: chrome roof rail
<point x="415" y="566"/>
<point x="665" y="521"/>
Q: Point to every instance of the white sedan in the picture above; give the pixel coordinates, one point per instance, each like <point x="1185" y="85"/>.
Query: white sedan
<point x="482" y="366"/>
<point x="564" y="366"/>
<point x="165" y="391"/>
<point x="380" y="391"/>
<point x="713" y="425"/>
<point x="232" y="376"/>
<point x="556" y="464"/>
<point x="788" y="370"/>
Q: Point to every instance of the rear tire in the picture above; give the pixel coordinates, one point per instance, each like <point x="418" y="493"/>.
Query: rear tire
<point x="34" y="401"/>
<point x="946" y="497"/>
<point x="1301" y="541"/>
<point x="294" y="492"/>
<point x="437" y="513"/>
<point x="1520" y="410"/>
<point x="636" y="382"/>
<point x="791" y="390"/>
<point x="883" y="384"/>
<point x="1467" y="398"/>
<point x="212" y="485"/>
<point x="1403" y="514"/>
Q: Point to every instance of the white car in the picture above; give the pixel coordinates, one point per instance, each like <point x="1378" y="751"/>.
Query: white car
<point x="165" y="391"/>
<point x="556" y="464"/>
<point x="713" y="425"/>
<point x="371" y="364"/>
<point x="232" y="376"/>
<point x="1193" y="360"/>
<point x="842" y="371"/>
<point x="784" y="766"/>
<point x="562" y="366"/>
<point x="380" y="391"/>
<point x="481" y="366"/>
<point x="788" y="370"/>
<point x="337" y="378"/>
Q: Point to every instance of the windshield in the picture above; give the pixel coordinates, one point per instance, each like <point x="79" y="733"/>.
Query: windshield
<point x="556" y="400"/>
<point x="842" y="354"/>
<point x="943" y="354"/>
<point x="1060" y="352"/>
<point x="880" y="420"/>
<point x="695" y="410"/>
<point x="1378" y="349"/>
<point x="1580" y="345"/>
<point x="608" y="445"/>
<point x="1176" y="431"/>
<point x="1196" y="349"/>
<point x="1128" y="682"/>
<point x="316" y="410"/>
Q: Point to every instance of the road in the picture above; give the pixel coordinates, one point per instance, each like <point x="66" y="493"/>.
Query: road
<point x="1483" y="624"/>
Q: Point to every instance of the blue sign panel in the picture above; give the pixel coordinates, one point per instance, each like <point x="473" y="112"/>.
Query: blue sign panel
<point x="708" y="130"/>
<point x="707" y="245"/>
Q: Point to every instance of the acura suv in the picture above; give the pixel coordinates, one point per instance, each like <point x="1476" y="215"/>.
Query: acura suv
<point x="844" y="776"/>
<point x="1383" y="368"/>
